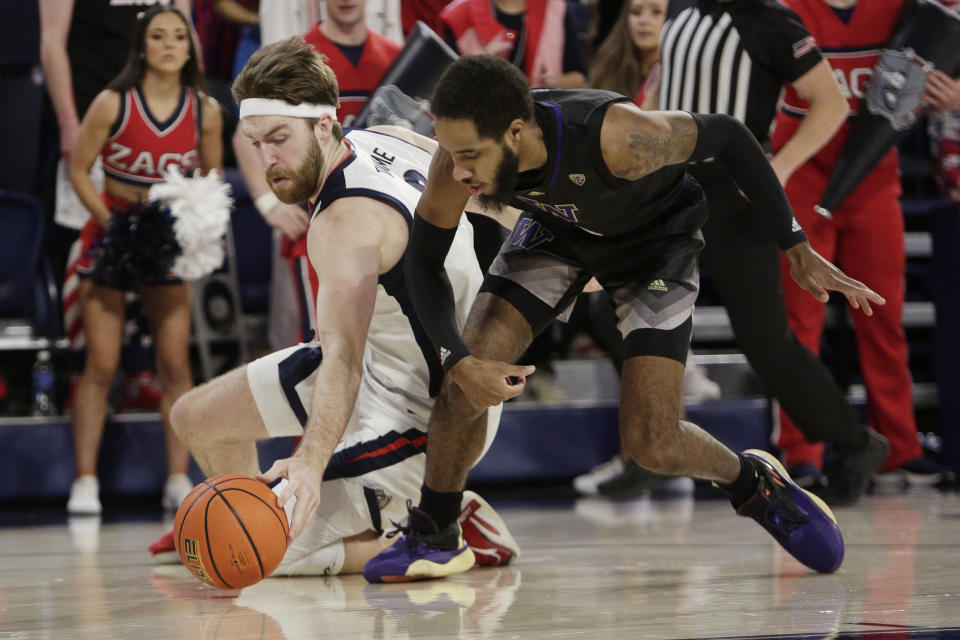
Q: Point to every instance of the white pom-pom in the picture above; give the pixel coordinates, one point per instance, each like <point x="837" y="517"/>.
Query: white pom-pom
<point x="201" y="209"/>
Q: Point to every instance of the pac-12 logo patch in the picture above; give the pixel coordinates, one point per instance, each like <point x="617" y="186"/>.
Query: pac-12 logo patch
<point x="577" y="178"/>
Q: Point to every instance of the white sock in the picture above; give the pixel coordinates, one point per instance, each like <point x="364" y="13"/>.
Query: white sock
<point x="325" y="561"/>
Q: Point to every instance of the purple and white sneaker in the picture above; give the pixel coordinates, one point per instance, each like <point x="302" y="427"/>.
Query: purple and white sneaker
<point x="421" y="553"/>
<point x="800" y="521"/>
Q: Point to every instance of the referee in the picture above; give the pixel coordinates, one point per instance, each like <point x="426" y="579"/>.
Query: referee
<point x="734" y="57"/>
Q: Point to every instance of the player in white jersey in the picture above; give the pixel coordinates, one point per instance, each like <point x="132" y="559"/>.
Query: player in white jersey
<point x="360" y="393"/>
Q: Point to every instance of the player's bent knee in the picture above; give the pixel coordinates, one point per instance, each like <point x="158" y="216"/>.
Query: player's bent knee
<point x="651" y="446"/>
<point x="186" y="417"/>
<point x="179" y="415"/>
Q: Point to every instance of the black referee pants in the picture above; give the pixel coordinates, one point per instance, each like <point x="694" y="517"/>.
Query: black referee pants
<point x="744" y="261"/>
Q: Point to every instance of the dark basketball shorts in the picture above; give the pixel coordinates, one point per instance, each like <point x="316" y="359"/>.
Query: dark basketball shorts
<point x="652" y="283"/>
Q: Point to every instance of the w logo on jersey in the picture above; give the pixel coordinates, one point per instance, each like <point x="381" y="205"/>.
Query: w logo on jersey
<point x="566" y="212"/>
<point x="529" y="233"/>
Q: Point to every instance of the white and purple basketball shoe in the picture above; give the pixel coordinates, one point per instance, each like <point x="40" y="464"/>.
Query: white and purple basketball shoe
<point x="800" y="521"/>
<point x="422" y="552"/>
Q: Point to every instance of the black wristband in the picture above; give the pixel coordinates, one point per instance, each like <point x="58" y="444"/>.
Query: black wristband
<point x="430" y="289"/>
<point x="729" y="141"/>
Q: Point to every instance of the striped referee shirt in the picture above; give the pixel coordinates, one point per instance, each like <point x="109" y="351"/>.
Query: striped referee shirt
<point x="734" y="58"/>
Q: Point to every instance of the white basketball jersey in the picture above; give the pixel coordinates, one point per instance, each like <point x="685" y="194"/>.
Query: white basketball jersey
<point x="399" y="359"/>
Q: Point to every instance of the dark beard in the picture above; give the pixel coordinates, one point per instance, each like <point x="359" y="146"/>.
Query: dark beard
<point x="304" y="180"/>
<point x="505" y="181"/>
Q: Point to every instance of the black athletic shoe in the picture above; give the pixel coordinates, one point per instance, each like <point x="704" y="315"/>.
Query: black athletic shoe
<point x="849" y="474"/>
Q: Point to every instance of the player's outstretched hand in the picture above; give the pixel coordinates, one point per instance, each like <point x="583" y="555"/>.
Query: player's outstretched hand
<point x="818" y="275"/>
<point x="304" y="480"/>
<point x="489" y="382"/>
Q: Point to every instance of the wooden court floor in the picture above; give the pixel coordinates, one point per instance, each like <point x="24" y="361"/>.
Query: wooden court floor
<point x="660" y="569"/>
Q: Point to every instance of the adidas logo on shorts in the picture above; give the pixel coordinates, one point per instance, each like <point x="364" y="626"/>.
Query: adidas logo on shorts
<point x="658" y="285"/>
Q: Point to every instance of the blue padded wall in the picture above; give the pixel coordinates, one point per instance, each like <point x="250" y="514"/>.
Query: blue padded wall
<point x="534" y="443"/>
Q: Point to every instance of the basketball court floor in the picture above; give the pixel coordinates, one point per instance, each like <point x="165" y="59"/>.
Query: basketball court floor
<point x="649" y="568"/>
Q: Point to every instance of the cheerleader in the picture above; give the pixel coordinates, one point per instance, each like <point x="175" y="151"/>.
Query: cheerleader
<point x="153" y="117"/>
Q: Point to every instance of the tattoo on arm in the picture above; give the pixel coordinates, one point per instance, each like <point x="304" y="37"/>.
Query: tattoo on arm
<point x="685" y="132"/>
<point x="655" y="147"/>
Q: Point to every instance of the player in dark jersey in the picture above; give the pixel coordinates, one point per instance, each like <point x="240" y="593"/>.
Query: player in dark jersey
<point x="605" y="195"/>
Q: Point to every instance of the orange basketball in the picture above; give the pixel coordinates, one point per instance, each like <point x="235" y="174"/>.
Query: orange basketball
<point x="229" y="531"/>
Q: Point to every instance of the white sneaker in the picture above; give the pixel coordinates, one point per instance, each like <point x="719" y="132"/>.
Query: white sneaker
<point x="588" y="483"/>
<point x="175" y="490"/>
<point x="85" y="496"/>
<point x="697" y="387"/>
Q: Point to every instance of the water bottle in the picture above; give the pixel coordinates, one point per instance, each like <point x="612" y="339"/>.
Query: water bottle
<point x="43" y="384"/>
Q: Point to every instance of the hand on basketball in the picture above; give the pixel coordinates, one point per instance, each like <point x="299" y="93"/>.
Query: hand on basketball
<point x="303" y="483"/>
<point x="289" y="218"/>
<point x="489" y="382"/>
<point x="817" y="275"/>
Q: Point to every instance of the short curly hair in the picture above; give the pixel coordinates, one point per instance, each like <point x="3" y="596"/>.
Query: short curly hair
<point x="290" y="70"/>
<point x="485" y="89"/>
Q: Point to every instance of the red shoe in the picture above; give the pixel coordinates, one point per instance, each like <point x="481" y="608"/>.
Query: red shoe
<point x="164" y="551"/>
<point x="486" y="533"/>
<point x="141" y="391"/>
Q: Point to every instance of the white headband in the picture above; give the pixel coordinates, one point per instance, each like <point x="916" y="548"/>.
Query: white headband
<point x="268" y="107"/>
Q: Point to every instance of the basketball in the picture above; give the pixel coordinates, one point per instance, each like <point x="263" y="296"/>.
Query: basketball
<point x="229" y="531"/>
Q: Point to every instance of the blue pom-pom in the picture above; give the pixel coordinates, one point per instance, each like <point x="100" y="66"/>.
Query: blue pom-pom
<point x="138" y="249"/>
